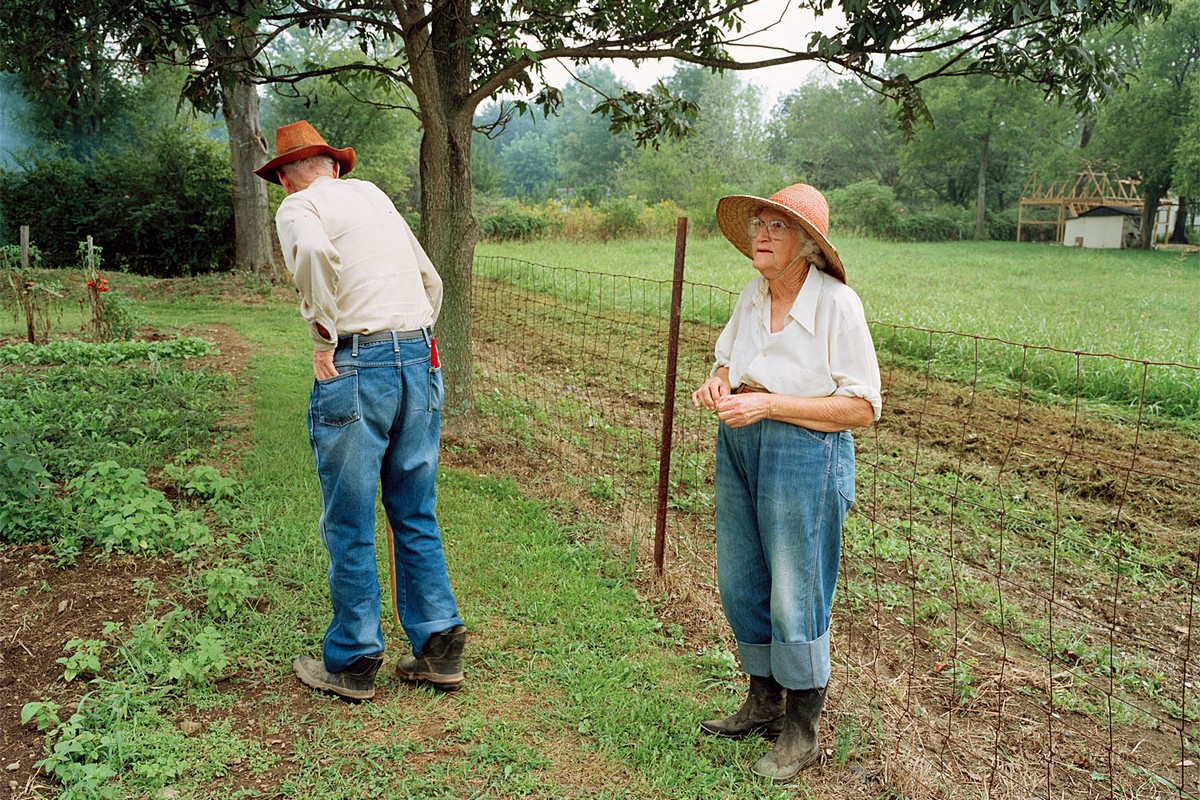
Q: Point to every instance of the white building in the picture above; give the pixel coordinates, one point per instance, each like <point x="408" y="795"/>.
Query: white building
<point x="1104" y="226"/>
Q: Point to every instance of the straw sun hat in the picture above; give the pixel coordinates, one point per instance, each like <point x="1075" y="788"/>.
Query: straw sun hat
<point x="300" y="140"/>
<point x="803" y="204"/>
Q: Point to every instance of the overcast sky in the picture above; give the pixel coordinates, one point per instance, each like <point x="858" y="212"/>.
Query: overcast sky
<point x="763" y="30"/>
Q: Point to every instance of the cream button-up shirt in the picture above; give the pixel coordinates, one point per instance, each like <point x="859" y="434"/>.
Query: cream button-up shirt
<point x="356" y="263"/>
<point x="824" y="348"/>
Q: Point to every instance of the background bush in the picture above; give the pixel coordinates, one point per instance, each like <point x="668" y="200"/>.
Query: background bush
<point x="619" y="218"/>
<point x="160" y="208"/>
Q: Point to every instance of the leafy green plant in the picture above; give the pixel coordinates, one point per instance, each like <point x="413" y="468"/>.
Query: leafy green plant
<point x="75" y="352"/>
<point x="963" y="677"/>
<point x="30" y="509"/>
<point x="124" y="513"/>
<point x="228" y="589"/>
<point x="202" y="482"/>
<point x="206" y="659"/>
<point x="83" y="658"/>
<point x="91" y="747"/>
<point x="137" y="416"/>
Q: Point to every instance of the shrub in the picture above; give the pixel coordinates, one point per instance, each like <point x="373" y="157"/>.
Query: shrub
<point x="160" y="208"/>
<point x="933" y="226"/>
<point x="1001" y="225"/>
<point x="53" y="195"/>
<point x="866" y="208"/>
<point x="621" y="217"/>
<point x="579" y="220"/>
<point x="513" y="221"/>
<point x="661" y="217"/>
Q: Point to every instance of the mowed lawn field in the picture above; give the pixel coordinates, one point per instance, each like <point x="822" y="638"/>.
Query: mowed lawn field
<point x="1133" y="304"/>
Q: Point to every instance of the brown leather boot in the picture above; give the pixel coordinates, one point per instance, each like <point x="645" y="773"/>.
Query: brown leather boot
<point x="762" y="713"/>
<point x="440" y="662"/>
<point x="797" y="747"/>
<point x="355" y="682"/>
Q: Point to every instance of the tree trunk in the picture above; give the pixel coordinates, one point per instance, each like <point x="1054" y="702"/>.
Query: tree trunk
<point x="449" y="232"/>
<point x="254" y="230"/>
<point x="439" y="59"/>
<point x="1179" y="231"/>
<point x="981" y="191"/>
<point x="1151" y="197"/>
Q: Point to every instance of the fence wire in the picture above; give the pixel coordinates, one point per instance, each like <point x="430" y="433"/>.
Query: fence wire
<point x="1019" y="576"/>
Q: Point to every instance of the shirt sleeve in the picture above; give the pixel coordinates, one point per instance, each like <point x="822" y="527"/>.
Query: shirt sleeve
<point x="723" y="352"/>
<point x="853" y="364"/>
<point x="314" y="263"/>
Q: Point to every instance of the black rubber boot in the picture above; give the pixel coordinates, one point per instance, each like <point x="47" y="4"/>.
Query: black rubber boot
<point x="355" y="682"/>
<point x="797" y="746"/>
<point x="762" y="713"/>
<point x="440" y="662"/>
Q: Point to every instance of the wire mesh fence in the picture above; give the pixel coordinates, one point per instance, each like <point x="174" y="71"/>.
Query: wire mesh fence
<point x="1019" y="576"/>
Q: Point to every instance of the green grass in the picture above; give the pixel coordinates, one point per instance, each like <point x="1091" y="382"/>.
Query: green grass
<point x="997" y="313"/>
<point x="1129" y="303"/>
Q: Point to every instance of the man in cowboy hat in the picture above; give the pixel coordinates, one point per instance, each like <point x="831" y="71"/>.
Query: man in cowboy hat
<point x="370" y="296"/>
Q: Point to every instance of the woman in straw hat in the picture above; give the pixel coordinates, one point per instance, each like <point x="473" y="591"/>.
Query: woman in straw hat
<point x="795" y="371"/>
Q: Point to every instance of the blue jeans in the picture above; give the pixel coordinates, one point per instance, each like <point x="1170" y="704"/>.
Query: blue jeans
<point x="379" y="422"/>
<point x="782" y="494"/>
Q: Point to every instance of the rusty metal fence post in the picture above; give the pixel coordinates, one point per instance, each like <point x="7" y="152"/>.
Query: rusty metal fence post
<point x="668" y="424"/>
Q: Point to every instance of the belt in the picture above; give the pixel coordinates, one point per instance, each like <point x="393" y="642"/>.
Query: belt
<point x="748" y="388"/>
<point x="382" y="336"/>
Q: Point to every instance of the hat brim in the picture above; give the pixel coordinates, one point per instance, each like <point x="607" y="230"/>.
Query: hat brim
<point x="344" y="157"/>
<point x="734" y="211"/>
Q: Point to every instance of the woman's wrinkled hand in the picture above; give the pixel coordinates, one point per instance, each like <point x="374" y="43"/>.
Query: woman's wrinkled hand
<point x="737" y="410"/>
<point x="710" y="393"/>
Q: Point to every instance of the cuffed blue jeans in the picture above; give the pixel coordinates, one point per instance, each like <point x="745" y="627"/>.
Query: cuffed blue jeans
<point x="783" y="492"/>
<point x="379" y="423"/>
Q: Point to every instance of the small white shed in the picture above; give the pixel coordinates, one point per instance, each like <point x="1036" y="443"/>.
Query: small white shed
<point x="1104" y="226"/>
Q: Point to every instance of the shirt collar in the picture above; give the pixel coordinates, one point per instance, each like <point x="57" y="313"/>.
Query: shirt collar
<point x="804" y="307"/>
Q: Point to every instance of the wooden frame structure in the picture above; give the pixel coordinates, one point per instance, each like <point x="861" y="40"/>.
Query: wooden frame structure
<point x="1090" y="188"/>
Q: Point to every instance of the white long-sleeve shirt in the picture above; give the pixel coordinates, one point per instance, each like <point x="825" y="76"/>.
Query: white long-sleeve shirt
<point x="356" y="263"/>
<point x="823" y="350"/>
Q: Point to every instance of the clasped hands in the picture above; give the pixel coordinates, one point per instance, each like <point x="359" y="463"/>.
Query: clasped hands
<point x="735" y="410"/>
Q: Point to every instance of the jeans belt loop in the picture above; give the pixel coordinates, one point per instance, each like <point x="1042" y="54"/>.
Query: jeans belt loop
<point x="428" y="334"/>
<point x="354" y="347"/>
<point x="395" y="343"/>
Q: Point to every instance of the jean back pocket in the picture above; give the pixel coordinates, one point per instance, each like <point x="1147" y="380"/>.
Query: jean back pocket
<point x="337" y="399"/>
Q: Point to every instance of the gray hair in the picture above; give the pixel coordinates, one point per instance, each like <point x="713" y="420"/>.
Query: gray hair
<point x="313" y="165"/>
<point x="810" y="250"/>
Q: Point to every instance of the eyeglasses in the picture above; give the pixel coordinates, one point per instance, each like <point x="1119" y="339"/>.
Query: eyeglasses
<point x="775" y="228"/>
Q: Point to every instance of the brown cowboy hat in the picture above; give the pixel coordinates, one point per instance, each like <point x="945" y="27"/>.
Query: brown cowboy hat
<point x="800" y="202"/>
<point x="300" y="140"/>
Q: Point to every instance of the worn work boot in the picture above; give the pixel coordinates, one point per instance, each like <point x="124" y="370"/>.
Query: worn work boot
<point x="797" y="746"/>
<point x="440" y="662"/>
<point x="355" y="682"/>
<point x="762" y="713"/>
